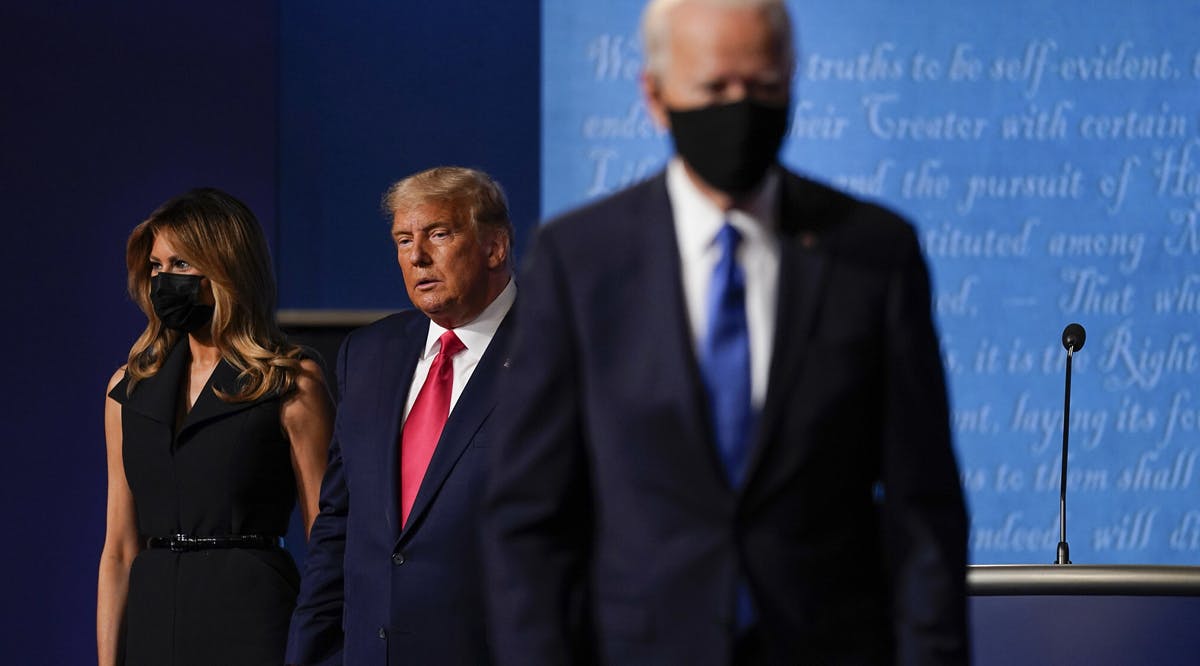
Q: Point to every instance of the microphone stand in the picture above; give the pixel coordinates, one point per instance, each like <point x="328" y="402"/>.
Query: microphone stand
<point x="1073" y="338"/>
<point x="1064" y="551"/>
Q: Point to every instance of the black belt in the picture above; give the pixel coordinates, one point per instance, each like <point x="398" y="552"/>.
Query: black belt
<point x="182" y="543"/>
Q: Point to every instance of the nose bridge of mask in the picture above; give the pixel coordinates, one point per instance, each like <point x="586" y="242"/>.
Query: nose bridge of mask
<point x="177" y="283"/>
<point x="176" y="301"/>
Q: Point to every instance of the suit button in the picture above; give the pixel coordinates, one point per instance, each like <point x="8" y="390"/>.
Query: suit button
<point x="382" y="633"/>
<point x="397" y="558"/>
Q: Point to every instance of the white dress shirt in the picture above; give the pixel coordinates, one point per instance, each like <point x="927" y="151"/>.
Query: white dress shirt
<point x="697" y="221"/>
<point x="475" y="335"/>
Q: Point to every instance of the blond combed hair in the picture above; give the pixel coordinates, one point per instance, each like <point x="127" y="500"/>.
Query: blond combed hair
<point x="471" y="193"/>
<point x="221" y="238"/>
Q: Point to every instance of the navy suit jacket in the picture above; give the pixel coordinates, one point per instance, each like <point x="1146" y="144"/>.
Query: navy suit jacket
<point x="613" y="533"/>
<point x="411" y="596"/>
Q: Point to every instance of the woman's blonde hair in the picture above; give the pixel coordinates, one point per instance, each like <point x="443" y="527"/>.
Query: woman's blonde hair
<point x="221" y="238"/>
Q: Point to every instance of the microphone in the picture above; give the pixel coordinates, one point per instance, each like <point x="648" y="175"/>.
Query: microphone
<point x="1073" y="337"/>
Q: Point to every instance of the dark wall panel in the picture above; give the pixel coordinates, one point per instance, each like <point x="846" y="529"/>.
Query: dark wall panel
<point x="374" y="91"/>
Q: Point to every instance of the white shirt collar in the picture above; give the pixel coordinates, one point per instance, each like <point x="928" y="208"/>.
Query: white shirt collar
<point x="477" y="333"/>
<point x="756" y="219"/>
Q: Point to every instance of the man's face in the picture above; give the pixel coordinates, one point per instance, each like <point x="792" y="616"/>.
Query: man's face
<point x="448" y="267"/>
<point x="717" y="55"/>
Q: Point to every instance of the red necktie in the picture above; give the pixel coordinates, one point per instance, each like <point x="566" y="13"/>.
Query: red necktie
<point x="424" y="424"/>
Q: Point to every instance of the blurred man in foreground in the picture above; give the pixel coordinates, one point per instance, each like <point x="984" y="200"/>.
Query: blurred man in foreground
<point x="725" y="437"/>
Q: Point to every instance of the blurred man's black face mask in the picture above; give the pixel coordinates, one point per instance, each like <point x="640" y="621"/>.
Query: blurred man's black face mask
<point x="176" y="301"/>
<point x="730" y="146"/>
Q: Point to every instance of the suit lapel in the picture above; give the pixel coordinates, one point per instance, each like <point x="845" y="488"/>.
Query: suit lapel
<point x="803" y="271"/>
<point x="472" y="409"/>
<point x="662" y="300"/>
<point x="396" y="377"/>
<point x="156" y="397"/>
<point x="210" y="406"/>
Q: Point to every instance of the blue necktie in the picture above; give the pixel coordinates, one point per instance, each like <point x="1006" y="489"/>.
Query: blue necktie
<point x="726" y="357"/>
<point x="726" y="367"/>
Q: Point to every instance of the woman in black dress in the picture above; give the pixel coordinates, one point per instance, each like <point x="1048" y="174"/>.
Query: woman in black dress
<point x="214" y="427"/>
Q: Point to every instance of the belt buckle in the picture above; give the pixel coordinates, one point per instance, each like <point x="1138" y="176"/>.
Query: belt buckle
<point x="180" y="543"/>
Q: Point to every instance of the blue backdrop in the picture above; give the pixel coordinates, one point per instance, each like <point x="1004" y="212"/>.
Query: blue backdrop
<point x="1049" y="154"/>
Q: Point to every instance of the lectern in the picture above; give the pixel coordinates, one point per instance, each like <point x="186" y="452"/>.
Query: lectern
<point x="1084" y="614"/>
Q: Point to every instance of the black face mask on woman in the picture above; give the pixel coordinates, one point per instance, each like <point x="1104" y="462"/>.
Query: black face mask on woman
<point x="730" y="146"/>
<point x="176" y="301"/>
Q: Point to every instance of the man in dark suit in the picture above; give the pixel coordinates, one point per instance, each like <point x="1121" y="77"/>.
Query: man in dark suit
<point x="393" y="559"/>
<point x="725" y="437"/>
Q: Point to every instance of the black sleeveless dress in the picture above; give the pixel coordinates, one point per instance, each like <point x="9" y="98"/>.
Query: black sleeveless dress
<point x="226" y="471"/>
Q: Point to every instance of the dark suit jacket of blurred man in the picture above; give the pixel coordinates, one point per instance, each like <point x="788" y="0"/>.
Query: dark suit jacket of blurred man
<point x="412" y="595"/>
<point x="850" y="527"/>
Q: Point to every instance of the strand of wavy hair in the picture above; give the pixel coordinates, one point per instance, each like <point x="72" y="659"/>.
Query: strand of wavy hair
<point x="262" y="368"/>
